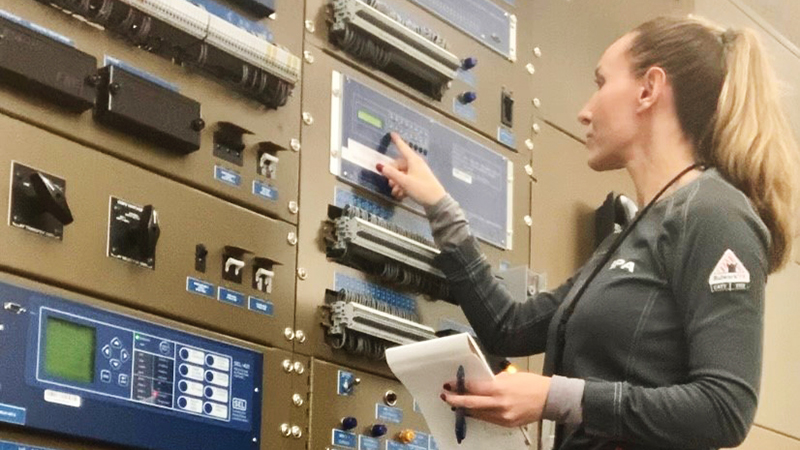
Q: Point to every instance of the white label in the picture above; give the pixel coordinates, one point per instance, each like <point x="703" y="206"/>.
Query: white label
<point x="363" y="156"/>
<point x="192" y="404"/>
<point x="193" y="372"/>
<point x="62" y="398"/>
<point x="219" y="362"/>
<point x="191" y="388"/>
<point x="193" y="356"/>
<point x="463" y="176"/>
<point x="218" y="378"/>
<point x="729" y="274"/>
<point x="218" y="410"/>
<point x="217" y="394"/>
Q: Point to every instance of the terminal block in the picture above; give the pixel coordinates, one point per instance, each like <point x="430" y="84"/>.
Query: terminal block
<point x="39" y="202"/>
<point x="187" y="33"/>
<point x="363" y="325"/>
<point x="370" y="31"/>
<point x="133" y="233"/>
<point x="46" y="66"/>
<point x="362" y="240"/>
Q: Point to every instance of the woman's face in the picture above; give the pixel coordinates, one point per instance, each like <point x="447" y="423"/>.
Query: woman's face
<point x="611" y="112"/>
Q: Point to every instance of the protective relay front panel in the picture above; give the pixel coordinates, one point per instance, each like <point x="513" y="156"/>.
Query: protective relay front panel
<point x="198" y="250"/>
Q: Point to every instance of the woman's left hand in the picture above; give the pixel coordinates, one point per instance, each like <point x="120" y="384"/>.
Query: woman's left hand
<point x="510" y="400"/>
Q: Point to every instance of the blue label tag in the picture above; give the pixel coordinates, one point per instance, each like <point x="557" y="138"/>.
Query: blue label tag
<point x="394" y="445"/>
<point x="467" y="111"/>
<point x="416" y="407"/>
<point x="227" y="176"/>
<point x="260" y="306"/>
<point x="229" y="296"/>
<point x="37" y="28"/>
<point x="389" y="414"/>
<point x="111" y="61"/>
<point x="264" y="190"/>
<point x="420" y="439"/>
<point x="467" y="76"/>
<point x="506" y="137"/>
<point x="199" y="287"/>
<point x="368" y="443"/>
<point x="5" y="445"/>
<point x="344" y="439"/>
<point x="254" y="28"/>
<point x="12" y="414"/>
<point x="432" y="445"/>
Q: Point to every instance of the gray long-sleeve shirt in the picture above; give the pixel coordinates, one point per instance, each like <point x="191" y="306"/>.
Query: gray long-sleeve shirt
<point x="667" y="337"/>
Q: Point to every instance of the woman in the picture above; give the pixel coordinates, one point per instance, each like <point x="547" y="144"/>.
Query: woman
<point x="656" y="341"/>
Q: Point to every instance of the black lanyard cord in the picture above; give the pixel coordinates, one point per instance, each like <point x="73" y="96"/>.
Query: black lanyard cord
<point x="561" y="331"/>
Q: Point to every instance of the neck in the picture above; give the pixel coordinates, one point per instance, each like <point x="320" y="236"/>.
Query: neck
<point x="657" y="163"/>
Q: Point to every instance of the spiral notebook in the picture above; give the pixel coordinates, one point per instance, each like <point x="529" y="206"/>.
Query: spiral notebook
<point x="423" y="368"/>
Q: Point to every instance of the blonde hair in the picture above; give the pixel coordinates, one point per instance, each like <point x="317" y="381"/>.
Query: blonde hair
<point x="728" y="104"/>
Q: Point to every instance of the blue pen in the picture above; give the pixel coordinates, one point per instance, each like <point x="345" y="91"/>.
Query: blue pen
<point x="461" y="422"/>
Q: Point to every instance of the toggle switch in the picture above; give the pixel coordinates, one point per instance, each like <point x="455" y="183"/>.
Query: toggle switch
<point x="349" y="422"/>
<point x="268" y="165"/>
<point x="467" y="97"/>
<point x="133" y="232"/>
<point x="469" y="63"/>
<point x="263" y="274"/>
<point x="233" y="263"/>
<point x="39" y="202"/>
<point x="229" y="142"/>
<point x="200" y="254"/>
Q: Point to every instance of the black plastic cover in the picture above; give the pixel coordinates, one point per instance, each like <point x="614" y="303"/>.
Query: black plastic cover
<point x="45" y="67"/>
<point x="147" y="110"/>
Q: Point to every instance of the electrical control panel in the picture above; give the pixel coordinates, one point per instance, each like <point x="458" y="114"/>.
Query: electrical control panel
<point x="82" y="368"/>
<point x="143" y="240"/>
<point x="364" y="411"/>
<point x="446" y="54"/>
<point x="384" y="278"/>
<point x="158" y="115"/>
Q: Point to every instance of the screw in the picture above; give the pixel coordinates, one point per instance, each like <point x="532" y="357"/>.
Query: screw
<point x="528" y="221"/>
<point x="93" y="80"/>
<point x="114" y="88"/>
<point x="302" y="274"/>
<point x="538" y="52"/>
<point x="295" y="145"/>
<point x="293" y="208"/>
<point x="297" y="399"/>
<point x="308" y="57"/>
<point x="537" y="103"/>
<point x="299" y="368"/>
<point x="529" y="67"/>
<point x="286" y="431"/>
<point x="287" y="366"/>
<point x="528" y="169"/>
<point x="308" y="119"/>
<point x="536" y="128"/>
<point x="297" y="432"/>
<point x="288" y="333"/>
<point x="198" y="124"/>
<point x="529" y="144"/>
<point x="292" y="238"/>
<point x="310" y="26"/>
<point x="300" y="336"/>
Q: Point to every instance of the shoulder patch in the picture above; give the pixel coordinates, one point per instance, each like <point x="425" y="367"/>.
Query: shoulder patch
<point x="729" y="274"/>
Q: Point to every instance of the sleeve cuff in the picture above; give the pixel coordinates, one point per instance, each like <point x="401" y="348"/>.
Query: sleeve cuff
<point x="600" y="402"/>
<point x="564" y="400"/>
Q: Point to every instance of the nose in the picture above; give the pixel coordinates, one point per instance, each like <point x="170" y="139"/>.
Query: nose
<point x="585" y="117"/>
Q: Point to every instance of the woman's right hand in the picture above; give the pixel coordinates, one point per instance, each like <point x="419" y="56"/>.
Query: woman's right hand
<point x="409" y="175"/>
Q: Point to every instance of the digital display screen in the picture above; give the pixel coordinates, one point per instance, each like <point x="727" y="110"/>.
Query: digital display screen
<point x="69" y="350"/>
<point x="370" y="119"/>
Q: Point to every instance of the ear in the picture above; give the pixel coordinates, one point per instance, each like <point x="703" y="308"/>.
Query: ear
<point x="653" y="85"/>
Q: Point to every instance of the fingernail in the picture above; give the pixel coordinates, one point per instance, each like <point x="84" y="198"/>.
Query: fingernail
<point x="452" y="408"/>
<point x="446" y="386"/>
<point x="441" y="396"/>
<point x="379" y="166"/>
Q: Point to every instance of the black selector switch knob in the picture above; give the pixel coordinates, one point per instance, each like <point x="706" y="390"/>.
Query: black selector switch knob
<point x="133" y="233"/>
<point x="51" y="197"/>
<point x="39" y="202"/>
<point x="148" y="232"/>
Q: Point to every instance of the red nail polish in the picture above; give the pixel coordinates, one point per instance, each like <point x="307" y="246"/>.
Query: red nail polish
<point x="446" y="386"/>
<point x="441" y="396"/>
<point x="379" y="166"/>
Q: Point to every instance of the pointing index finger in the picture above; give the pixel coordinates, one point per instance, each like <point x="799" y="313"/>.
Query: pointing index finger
<point x="402" y="146"/>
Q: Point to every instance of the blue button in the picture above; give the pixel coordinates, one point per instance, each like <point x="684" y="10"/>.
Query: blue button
<point x="115" y="364"/>
<point x="469" y="63"/>
<point x="107" y="351"/>
<point x="209" y="376"/>
<point x="124" y="355"/>
<point x="123" y="380"/>
<point x="182" y="402"/>
<point x="105" y="376"/>
<point x="116" y="343"/>
<point x="378" y="430"/>
<point x="468" y="97"/>
<point x="164" y="347"/>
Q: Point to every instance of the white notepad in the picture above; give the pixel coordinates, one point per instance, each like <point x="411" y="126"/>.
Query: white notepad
<point x="423" y="368"/>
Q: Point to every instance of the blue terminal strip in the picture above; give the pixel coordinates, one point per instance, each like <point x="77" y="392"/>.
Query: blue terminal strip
<point x="380" y="293"/>
<point x="230" y="16"/>
<point x="6" y="445"/>
<point x="111" y="61"/>
<point x="474" y="174"/>
<point x="398" y="216"/>
<point x="186" y="390"/>
<point x="39" y="29"/>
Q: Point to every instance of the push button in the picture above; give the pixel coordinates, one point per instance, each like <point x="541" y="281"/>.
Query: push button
<point x="106" y="351"/>
<point x="216" y="394"/>
<point x="216" y="410"/>
<point x="116" y="343"/>
<point x="191" y="372"/>
<point x="105" y="376"/>
<point x="190" y="404"/>
<point x="115" y="364"/>
<point x="124" y="355"/>
<point x="123" y="380"/>
<point x="217" y="378"/>
<point x="191" y="388"/>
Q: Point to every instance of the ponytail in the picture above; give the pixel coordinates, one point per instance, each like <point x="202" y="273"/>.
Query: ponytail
<point x="728" y="105"/>
<point x="752" y="143"/>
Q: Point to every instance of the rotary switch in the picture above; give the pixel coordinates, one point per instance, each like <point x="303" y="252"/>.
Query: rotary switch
<point x="39" y="202"/>
<point x="134" y="233"/>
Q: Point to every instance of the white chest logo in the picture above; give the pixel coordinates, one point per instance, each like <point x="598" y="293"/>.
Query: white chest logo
<point x="622" y="264"/>
<point x="729" y="274"/>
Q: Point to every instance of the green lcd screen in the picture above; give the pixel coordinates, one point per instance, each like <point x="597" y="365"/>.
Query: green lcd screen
<point x="69" y="350"/>
<point x="370" y="119"/>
